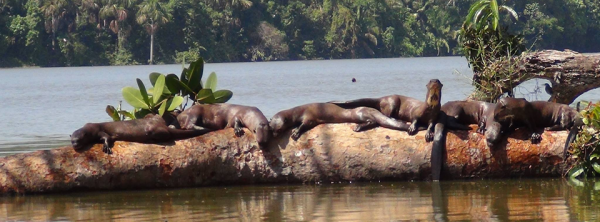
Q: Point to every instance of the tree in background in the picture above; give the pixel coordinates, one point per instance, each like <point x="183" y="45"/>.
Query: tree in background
<point x="484" y="41"/>
<point x="151" y="15"/>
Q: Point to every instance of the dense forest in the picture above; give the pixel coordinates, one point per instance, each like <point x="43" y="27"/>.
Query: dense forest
<point x="118" y="32"/>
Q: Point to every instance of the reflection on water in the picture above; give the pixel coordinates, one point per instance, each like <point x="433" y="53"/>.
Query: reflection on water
<point x="495" y="200"/>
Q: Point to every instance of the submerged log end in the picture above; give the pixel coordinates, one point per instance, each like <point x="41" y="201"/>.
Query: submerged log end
<point x="329" y="152"/>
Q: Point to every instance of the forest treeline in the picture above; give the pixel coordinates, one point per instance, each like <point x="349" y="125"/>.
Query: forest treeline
<point x="118" y="32"/>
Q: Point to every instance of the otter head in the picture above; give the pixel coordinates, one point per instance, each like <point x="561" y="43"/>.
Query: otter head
<point x="434" y="92"/>
<point x="506" y="108"/>
<point x="80" y="139"/>
<point x="277" y="124"/>
<point x="493" y="133"/>
<point x="262" y="133"/>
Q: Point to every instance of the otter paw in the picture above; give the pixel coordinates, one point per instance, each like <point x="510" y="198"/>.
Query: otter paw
<point x="412" y="130"/>
<point x="238" y="132"/>
<point x="536" y="138"/>
<point x="429" y="137"/>
<point x="295" y="134"/>
<point x="106" y="149"/>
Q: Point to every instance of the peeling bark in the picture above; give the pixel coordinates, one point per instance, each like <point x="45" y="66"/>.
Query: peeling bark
<point x="571" y="73"/>
<point x="329" y="152"/>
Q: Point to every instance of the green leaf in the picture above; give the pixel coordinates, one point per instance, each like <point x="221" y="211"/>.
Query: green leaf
<point x="142" y="113"/>
<point x="153" y="76"/>
<point x="211" y="82"/>
<point x="195" y="75"/>
<point x="158" y="88"/>
<point x="222" y="96"/>
<point x="133" y="96"/>
<point x="174" y="102"/>
<point x="112" y="112"/>
<point x="172" y="85"/>
<point x="594" y="156"/>
<point x="205" y="96"/>
<point x="127" y="114"/>
<point x="143" y="91"/>
<point x="162" y="108"/>
<point x="576" y="171"/>
<point x="586" y="121"/>
<point x="596" y="167"/>
<point x="495" y="14"/>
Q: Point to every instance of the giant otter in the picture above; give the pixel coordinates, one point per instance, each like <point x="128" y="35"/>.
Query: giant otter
<point x="538" y="115"/>
<point x="220" y="116"/>
<point x="306" y="117"/>
<point x="152" y="129"/>
<point x="406" y="108"/>
<point x="460" y="114"/>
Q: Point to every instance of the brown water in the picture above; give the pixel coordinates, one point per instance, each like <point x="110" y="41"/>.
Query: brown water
<point x="480" y="200"/>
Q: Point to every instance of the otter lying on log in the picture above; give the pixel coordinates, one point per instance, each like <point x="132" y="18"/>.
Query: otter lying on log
<point x="221" y="116"/>
<point x="152" y="129"/>
<point x="460" y="114"/>
<point x="328" y="152"/>
<point x="406" y="108"/>
<point x="538" y="116"/>
<point x="305" y="117"/>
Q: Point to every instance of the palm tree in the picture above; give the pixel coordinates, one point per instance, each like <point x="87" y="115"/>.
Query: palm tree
<point x="152" y="14"/>
<point x="486" y="12"/>
<point x="54" y="10"/>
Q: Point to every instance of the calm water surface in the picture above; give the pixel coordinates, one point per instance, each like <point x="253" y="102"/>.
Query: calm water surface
<point x="42" y="106"/>
<point x="490" y="200"/>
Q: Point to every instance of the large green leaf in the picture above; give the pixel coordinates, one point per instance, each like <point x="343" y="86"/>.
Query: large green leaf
<point x="162" y="108"/>
<point x="134" y="97"/>
<point x="153" y="76"/>
<point x="174" y="102"/>
<point x="112" y="112"/>
<point x="222" y="96"/>
<point x="211" y="82"/>
<point x="158" y="88"/>
<point x="172" y="85"/>
<point x="195" y="75"/>
<point x="143" y="91"/>
<point x="205" y="96"/>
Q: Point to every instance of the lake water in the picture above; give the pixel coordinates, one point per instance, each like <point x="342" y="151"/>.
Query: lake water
<point x="42" y="106"/>
<point x="480" y="200"/>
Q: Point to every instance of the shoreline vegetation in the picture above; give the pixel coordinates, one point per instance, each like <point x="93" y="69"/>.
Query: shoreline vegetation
<point x="125" y="32"/>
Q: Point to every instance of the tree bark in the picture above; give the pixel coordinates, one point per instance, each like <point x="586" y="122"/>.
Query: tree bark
<point x="571" y="73"/>
<point x="329" y="152"/>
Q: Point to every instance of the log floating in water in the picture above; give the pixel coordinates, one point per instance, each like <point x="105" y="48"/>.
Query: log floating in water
<point x="329" y="152"/>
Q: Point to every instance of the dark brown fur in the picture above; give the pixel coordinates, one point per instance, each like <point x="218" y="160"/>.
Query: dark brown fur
<point x="221" y="116"/>
<point x="463" y="113"/>
<point x="152" y="129"/>
<point x="406" y="108"/>
<point x="305" y="117"/>
<point x="536" y="116"/>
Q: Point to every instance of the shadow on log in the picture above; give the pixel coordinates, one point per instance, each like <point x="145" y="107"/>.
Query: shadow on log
<point x="571" y="74"/>
<point x="329" y="152"/>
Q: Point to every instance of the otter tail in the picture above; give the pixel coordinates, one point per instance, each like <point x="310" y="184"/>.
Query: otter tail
<point x="438" y="147"/>
<point x="366" y="102"/>
<point x="572" y="134"/>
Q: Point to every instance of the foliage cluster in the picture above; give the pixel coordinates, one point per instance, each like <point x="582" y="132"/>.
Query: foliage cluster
<point x="586" y="147"/>
<point x="105" y="32"/>
<point x="169" y="92"/>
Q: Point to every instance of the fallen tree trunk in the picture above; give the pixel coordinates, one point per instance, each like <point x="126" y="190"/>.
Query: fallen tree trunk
<point x="329" y="152"/>
<point x="571" y="74"/>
